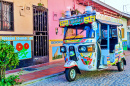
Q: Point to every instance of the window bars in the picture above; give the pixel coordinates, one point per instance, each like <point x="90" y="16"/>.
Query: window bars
<point x="6" y="16"/>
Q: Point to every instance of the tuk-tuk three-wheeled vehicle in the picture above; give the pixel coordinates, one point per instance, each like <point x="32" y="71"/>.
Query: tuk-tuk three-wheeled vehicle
<point x="90" y="44"/>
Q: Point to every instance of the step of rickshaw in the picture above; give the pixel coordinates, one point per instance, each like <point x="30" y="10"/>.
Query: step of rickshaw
<point x="102" y="67"/>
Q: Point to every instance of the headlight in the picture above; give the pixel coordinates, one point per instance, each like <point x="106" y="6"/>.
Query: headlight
<point x="82" y="48"/>
<point x="62" y="49"/>
<point x="86" y="48"/>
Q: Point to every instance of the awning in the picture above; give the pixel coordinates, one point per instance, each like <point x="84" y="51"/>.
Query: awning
<point x="109" y="22"/>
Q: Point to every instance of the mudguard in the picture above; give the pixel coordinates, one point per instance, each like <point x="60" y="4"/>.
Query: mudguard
<point x="70" y="64"/>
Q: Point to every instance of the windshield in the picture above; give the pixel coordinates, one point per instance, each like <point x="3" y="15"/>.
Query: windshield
<point x="79" y="32"/>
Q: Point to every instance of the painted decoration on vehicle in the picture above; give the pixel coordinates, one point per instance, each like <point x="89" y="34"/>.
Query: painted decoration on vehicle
<point x="72" y="53"/>
<point x="63" y="23"/>
<point x="24" y="49"/>
<point x="94" y="25"/>
<point x="56" y="54"/>
<point x="77" y="21"/>
<point x="118" y="54"/>
<point x="89" y="19"/>
<point x="78" y="36"/>
<point x="86" y="58"/>
<point x="79" y="40"/>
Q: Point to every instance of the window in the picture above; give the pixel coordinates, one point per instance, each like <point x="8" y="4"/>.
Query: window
<point x="104" y="33"/>
<point x="70" y="32"/>
<point x="114" y="32"/>
<point x="6" y="16"/>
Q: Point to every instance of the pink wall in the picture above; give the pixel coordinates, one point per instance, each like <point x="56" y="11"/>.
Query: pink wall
<point x="57" y="7"/>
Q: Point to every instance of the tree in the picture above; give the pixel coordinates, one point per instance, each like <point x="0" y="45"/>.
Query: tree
<point x="8" y="58"/>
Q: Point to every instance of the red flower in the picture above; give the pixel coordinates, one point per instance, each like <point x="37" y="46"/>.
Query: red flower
<point x="26" y="45"/>
<point x="19" y="46"/>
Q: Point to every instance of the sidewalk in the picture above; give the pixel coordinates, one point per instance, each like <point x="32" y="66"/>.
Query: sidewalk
<point x="38" y="71"/>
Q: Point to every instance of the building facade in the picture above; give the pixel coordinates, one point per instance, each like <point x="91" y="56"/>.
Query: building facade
<point x="32" y="26"/>
<point x="128" y="33"/>
<point x="23" y="23"/>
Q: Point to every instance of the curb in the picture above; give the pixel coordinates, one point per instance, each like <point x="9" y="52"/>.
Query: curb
<point x="40" y="79"/>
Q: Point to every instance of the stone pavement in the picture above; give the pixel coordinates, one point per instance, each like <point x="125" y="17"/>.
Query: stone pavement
<point x="126" y="52"/>
<point x="42" y="70"/>
<point x="107" y="77"/>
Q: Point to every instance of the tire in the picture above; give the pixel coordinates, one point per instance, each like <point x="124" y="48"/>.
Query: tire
<point x="120" y="65"/>
<point x="70" y="74"/>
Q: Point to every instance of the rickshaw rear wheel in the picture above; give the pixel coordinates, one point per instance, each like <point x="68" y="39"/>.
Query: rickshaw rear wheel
<point x="70" y="74"/>
<point x="120" y="65"/>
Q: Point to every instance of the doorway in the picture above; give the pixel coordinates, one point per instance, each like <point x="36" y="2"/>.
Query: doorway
<point x="40" y="31"/>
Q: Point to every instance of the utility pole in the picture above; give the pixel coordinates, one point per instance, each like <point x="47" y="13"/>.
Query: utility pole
<point x="125" y="8"/>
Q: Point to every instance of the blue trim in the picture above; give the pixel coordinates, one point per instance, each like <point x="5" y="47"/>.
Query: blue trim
<point x="87" y="28"/>
<point x="65" y="28"/>
<point x="76" y="31"/>
<point x="97" y="32"/>
<point x="108" y="28"/>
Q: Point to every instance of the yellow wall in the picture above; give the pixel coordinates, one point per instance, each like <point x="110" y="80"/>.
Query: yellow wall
<point x="23" y="24"/>
<point x="124" y="22"/>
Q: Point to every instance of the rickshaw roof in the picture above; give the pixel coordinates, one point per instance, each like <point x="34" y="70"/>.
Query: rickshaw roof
<point x="83" y="20"/>
<point x="108" y="22"/>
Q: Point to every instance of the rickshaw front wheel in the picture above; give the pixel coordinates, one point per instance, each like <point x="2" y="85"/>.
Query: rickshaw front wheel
<point x="70" y="74"/>
<point x="120" y="65"/>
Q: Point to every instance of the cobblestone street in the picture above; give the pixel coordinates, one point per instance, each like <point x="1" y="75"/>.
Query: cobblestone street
<point x="108" y="77"/>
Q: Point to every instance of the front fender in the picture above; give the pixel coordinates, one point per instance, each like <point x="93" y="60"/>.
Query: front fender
<point x="70" y="64"/>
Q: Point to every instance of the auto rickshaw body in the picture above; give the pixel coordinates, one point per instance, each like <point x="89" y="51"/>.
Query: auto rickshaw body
<point x="90" y="44"/>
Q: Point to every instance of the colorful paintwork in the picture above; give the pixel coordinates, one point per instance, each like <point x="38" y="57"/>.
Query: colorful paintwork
<point x="124" y="43"/>
<point x="94" y="25"/>
<point x="89" y="19"/>
<point x="63" y="23"/>
<point x="86" y="58"/>
<point x="76" y="21"/>
<point x="56" y="41"/>
<point x="23" y="48"/>
<point x="118" y="54"/>
<point x="16" y="38"/>
<point x="56" y="54"/>
<point x="79" y="41"/>
<point x="8" y="42"/>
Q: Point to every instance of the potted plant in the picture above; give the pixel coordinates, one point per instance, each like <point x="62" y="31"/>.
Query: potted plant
<point x="75" y="12"/>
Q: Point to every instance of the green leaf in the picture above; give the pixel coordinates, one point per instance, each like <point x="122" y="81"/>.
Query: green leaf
<point x="24" y="57"/>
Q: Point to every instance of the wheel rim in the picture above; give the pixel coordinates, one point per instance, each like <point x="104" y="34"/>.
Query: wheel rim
<point x="72" y="74"/>
<point x="122" y="65"/>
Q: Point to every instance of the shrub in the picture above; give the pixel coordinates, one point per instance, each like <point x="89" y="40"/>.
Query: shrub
<point x="8" y="59"/>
